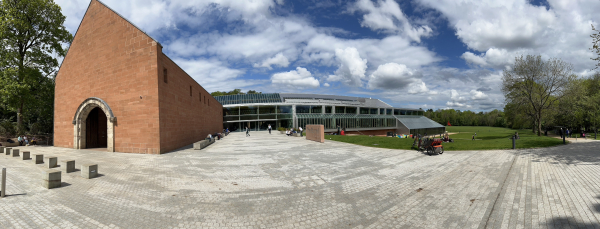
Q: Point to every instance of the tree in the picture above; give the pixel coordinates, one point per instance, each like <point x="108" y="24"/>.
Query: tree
<point x="234" y="92"/>
<point x="596" y="45"/>
<point x="32" y="35"/>
<point x="537" y="84"/>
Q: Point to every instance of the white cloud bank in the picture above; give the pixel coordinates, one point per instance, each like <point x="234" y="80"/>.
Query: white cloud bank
<point x="300" y="77"/>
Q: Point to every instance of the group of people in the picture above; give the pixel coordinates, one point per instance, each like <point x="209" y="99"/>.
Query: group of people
<point x="565" y="132"/>
<point x="24" y="141"/>
<point x="289" y="132"/>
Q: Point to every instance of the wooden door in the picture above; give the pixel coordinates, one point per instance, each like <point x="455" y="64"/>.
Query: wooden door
<point x="96" y="128"/>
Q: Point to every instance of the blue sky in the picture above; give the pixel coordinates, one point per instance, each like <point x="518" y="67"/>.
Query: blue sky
<point x="436" y="54"/>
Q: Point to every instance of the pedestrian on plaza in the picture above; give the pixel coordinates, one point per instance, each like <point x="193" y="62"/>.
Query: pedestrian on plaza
<point x="247" y="132"/>
<point x="300" y="128"/>
<point x="269" y="128"/>
<point x="339" y="128"/>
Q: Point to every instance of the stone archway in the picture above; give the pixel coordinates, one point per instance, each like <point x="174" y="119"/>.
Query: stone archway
<point x="79" y="122"/>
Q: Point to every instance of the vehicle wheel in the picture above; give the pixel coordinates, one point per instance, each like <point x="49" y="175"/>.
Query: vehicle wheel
<point x="430" y="150"/>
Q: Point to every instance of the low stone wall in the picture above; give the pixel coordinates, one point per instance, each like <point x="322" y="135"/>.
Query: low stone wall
<point x="315" y="133"/>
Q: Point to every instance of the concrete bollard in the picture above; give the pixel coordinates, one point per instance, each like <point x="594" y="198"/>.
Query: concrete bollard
<point x="52" y="162"/>
<point x="26" y="155"/>
<point x="3" y="185"/>
<point x="2" y="149"/>
<point x="67" y="166"/>
<point x="7" y="151"/>
<point x="15" y="152"/>
<point x="38" y="158"/>
<point x="51" y="179"/>
<point x="89" y="171"/>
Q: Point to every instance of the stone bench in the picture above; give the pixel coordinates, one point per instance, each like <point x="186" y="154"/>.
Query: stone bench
<point x="38" y="158"/>
<point x="51" y="162"/>
<point x="296" y="135"/>
<point x="26" y="155"/>
<point x="67" y="166"/>
<point x="89" y="171"/>
<point x="14" y="152"/>
<point x="203" y="144"/>
<point x="51" y="179"/>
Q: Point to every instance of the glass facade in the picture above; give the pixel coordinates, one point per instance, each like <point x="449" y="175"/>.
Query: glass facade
<point x="258" y="117"/>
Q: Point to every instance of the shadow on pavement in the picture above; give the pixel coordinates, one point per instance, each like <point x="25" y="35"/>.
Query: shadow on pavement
<point x="579" y="153"/>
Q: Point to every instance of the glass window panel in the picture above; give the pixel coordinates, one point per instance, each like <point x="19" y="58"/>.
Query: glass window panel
<point x="316" y="109"/>
<point x="231" y="118"/>
<point x="402" y="112"/>
<point x="266" y="109"/>
<point x="373" y="111"/>
<point x="364" y="110"/>
<point x="231" y="111"/>
<point x="248" y="117"/>
<point x="302" y="109"/>
<point x="388" y="111"/>
<point x="328" y="109"/>
<point x="340" y="110"/>
<point x="268" y="116"/>
<point x="248" y="110"/>
<point x="350" y="110"/>
<point x="284" y="109"/>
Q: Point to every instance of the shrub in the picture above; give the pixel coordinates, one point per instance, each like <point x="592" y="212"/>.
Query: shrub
<point x="8" y="128"/>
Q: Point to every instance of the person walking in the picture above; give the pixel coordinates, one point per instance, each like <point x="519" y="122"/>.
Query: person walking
<point x="269" y="127"/>
<point x="300" y="128"/>
<point x="473" y="138"/>
<point x="247" y="132"/>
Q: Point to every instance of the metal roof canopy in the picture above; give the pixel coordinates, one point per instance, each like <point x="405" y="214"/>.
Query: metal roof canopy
<point x="417" y="122"/>
<point x="342" y="116"/>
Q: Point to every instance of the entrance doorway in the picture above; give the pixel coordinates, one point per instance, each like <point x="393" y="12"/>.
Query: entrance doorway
<point x="96" y="129"/>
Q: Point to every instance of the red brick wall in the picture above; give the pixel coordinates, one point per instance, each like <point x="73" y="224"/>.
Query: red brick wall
<point x="185" y="119"/>
<point x="112" y="60"/>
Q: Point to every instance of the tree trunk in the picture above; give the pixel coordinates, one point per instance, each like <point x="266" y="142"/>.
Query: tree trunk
<point x="20" y="115"/>
<point x="539" y="124"/>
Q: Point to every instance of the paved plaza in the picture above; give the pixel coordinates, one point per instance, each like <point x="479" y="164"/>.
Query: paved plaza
<point x="275" y="181"/>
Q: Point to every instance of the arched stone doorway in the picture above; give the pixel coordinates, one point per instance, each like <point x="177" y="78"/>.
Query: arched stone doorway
<point x="94" y="125"/>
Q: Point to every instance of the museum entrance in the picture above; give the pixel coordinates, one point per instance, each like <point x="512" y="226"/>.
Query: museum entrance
<point x="96" y="129"/>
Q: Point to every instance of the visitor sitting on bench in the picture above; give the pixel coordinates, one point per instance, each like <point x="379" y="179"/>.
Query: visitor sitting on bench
<point x="288" y="132"/>
<point x="33" y="141"/>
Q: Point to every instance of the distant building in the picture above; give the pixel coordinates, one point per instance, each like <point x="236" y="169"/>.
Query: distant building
<point x="358" y="115"/>
<point x="117" y="90"/>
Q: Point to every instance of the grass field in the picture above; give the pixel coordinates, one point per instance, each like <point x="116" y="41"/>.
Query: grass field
<point x="487" y="138"/>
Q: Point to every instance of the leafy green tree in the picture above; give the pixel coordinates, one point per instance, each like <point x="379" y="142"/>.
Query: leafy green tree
<point x="537" y="83"/>
<point x="234" y="92"/>
<point x="32" y="35"/>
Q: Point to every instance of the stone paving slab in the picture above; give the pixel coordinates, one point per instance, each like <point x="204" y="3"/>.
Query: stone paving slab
<point x="275" y="181"/>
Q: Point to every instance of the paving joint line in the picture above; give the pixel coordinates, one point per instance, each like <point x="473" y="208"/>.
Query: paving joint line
<point x="502" y="187"/>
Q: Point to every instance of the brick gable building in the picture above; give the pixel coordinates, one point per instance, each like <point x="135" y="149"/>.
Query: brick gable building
<point x="117" y="90"/>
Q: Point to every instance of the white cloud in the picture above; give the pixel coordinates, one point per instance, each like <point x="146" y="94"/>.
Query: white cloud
<point x="326" y="84"/>
<point x="386" y="15"/>
<point x="352" y="68"/>
<point x="501" y="30"/>
<point x="212" y="74"/>
<point x="397" y="76"/>
<point x="478" y="95"/>
<point x="278" y="59"/>
<point x="295" y="78"/>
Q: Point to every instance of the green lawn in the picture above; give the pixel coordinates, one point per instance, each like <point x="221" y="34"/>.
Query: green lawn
<point x="488" y="138"/>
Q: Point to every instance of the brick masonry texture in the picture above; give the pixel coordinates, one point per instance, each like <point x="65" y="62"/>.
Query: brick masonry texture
<point x="113" y="60"/>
